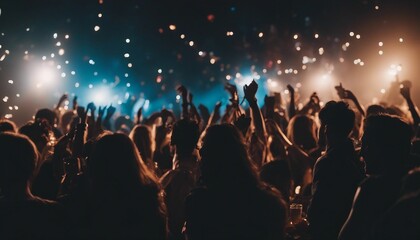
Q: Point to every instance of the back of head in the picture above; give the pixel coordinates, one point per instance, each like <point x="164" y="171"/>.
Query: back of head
<point x="302" y="131"/>
<point x="338" y="118"/>
<point x="18" y="159"/>
<point x="66" y="121"/>
<point x="143" y="139"/>
<point x="185" y="136"/>
<point x="39" y="132"/>
<point x="375" y="109"/>
<point x="116" y="163"/>
<point x="7" y="126"/>
<point x="46" y="114"/>
<point x="224" y="158"/>
<point x="385" y="144"/>
<point x="123" y="124"/>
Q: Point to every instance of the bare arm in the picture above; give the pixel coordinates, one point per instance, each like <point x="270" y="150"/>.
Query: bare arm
<point x="292" y="107"/>
<point x="250" y="91"/>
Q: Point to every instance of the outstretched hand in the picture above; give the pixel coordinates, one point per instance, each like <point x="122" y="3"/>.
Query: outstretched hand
<point x="91" y="107"/>
<point x="290" y="88"/>
<point x="101" y="111"/>
<point x="405" y="89"/>
<point x="63" y="98"/>
<point x="139" y="114"/>
<point x="75" y="104"/>
<point x="82" y="114"/>
<point x="250" y="90"/>
<point x="111" y="110"/>
<point x="183" y="91"/>
<point x="232" y="91"/>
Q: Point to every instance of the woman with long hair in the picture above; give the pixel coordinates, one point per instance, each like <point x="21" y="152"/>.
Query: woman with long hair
<point x="233" y="202"/>
<point x="126" y="197"/>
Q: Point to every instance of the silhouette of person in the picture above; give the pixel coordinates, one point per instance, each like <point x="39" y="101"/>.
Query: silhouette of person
<point x="126" y="199"/>
<point x="385" y="148"/>
<point x="23" y="215"/>
<point x="337" y="173"/>
<point x="179" y="181"/>
<point x="233" y="203"/>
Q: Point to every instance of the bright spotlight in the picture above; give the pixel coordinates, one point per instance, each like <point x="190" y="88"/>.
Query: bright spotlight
<point x="101" y="96"/>
<point x="43" y="74"/>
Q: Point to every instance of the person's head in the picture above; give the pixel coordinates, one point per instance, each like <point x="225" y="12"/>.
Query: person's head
<point x="386" y="144"/>
<point x="185" y="136"/>
<point x="66" y="121"/>
<point x="48" y="115"/>
<point x="302" y="131"/>
<point x="123" y="124"/>
<point x="143" y="138"/>
<point x="225" y="160"/>
<point x="115" y="163"/>
<point x="7" y="126"/>
<point x="375" y="109"/>
<point x="337" y="122"/>
<point x="39" y="132"/>
<point x="17" y="163"/>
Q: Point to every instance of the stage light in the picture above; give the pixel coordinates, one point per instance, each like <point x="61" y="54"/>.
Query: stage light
<point x="101" y="96"/>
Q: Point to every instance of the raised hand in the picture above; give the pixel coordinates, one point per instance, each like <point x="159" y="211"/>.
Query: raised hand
<point x="341" y="92"/>
<point x="75" y="104"/>
<point x="111" y="110"/>
<point x="183" y="91"/>
<point x="232" y="91"/>
<point x="405" y="89"/>
<point x="101" y="111"/>
<point x="63" y="98"/>
<point x="250" y="90"/>
<point x="139" y="114"/>
<point x="91" y="107"/>
<point x="291" y="89"/>
<point x="82" y="114"/>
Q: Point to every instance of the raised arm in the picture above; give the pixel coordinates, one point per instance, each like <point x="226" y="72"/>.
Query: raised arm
<point x="259" y="124"/>
<point x="292" y="107"/>
<point x="184" y="95"/>
<point x="107" y="120"/>
<point x="405" y="92"/>
<point x="63" y="98"/>
<point x="193" y="110"/>
<point x="347" y="94"/>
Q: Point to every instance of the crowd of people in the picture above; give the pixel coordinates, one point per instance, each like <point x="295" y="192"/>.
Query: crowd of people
<point x="335" y="171"/>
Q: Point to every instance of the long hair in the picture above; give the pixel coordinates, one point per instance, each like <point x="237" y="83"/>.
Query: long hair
<point x="115" y="161"/>
<point x="18" y="161"/>
<point x="127" y="197"/>
<point x="143" y="139"/>
<point x="302" y="132"/>
<point x="225" y="160"/>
